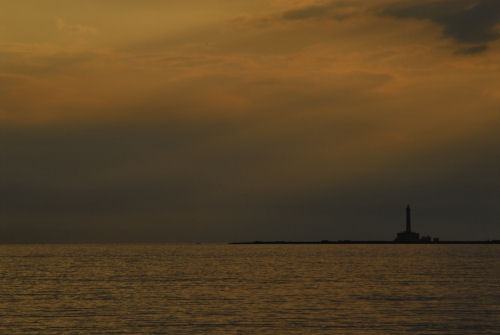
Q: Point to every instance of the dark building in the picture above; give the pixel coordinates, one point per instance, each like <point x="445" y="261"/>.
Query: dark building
<point x="408" y="235"/>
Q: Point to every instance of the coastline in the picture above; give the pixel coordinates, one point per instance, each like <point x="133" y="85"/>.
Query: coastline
<point x="369" y="242"/>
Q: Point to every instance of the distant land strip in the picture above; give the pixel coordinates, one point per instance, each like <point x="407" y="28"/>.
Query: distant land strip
<point x="368" y="242"/>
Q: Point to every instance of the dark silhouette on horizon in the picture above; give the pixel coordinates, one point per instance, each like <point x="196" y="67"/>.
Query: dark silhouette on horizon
<point x="405" y="237"/>
<point x="409" y="236"/>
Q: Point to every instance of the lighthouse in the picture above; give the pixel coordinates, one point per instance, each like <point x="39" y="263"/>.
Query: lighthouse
<point x="408" y="235"/>
<point x="408" y="219"/>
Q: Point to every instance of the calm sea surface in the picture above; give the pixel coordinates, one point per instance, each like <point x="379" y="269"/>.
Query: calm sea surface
<point x="250" y="289"/>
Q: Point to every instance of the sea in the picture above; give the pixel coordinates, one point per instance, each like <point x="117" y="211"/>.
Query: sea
<point x="249" y="289"/>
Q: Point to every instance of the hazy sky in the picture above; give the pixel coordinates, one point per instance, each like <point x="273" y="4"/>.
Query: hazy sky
<point x="225" y="120"/>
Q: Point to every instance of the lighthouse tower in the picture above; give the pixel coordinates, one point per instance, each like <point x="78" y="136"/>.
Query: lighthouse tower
<point x="408" y="219"/>
<point x="408" y="235"/>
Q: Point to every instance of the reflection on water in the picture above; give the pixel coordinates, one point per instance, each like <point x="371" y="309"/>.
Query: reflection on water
<point x="250" y="289"/>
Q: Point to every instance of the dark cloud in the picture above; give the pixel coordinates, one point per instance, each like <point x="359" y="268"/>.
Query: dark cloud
<point x="466" y="21"/>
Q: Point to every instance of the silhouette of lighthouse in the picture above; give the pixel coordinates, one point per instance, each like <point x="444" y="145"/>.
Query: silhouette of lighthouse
<point x="408" y="219"/>
<point x="408" y="235"/>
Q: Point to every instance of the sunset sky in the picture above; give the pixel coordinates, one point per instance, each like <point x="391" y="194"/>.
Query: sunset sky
<point x="232" y="120"/>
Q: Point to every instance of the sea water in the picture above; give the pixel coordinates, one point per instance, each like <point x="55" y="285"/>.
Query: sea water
<point x="250" y="289"/>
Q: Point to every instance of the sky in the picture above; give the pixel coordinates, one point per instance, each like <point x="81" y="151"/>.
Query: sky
<point x="232" y="120"/>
